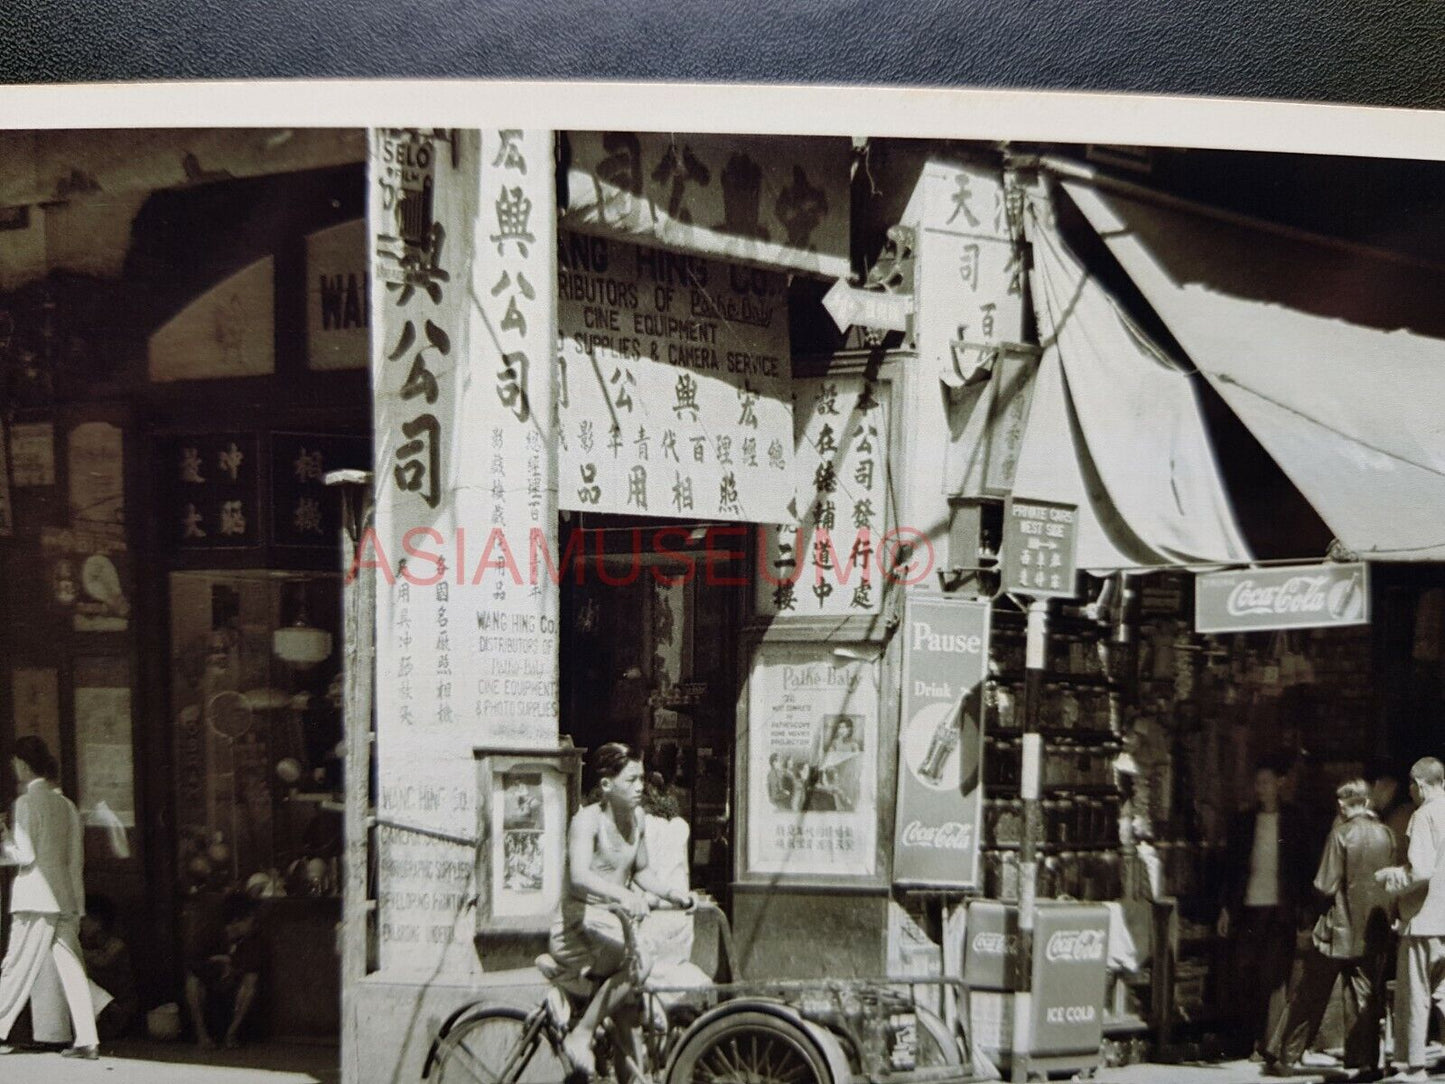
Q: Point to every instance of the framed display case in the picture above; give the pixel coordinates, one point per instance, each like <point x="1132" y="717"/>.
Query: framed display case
<point x="525" y="800"/>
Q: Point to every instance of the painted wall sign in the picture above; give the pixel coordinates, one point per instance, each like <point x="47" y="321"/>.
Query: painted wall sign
<point x="773" y="200"/>
<point x="303" y="511"/>
<point x="1039" y="547"/>
<point x="97" y="477"/>
<point x="463" y="256"/>
<point x="228" y="331"/>
<point x="812" y="763"/>
<point x="214" y="491"/>
<point x="830" y="556"/>
<point x="968" y="276"/>
<point x="32" y="454"/>
<point x="674" y="393"/>
<point x="338" y="298"/>
<point x="36" y="692"/>
<point x="940" y="781"/>
<point x="1288" y="597"/>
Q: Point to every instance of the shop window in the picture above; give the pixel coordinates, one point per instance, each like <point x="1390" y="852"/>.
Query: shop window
<point x="255" y="710"/>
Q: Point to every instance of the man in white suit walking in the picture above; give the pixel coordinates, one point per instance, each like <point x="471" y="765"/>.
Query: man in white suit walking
<point x="47" y="899"/>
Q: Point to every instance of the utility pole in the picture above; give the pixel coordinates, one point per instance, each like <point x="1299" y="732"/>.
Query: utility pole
<point x="1033" y="830"/>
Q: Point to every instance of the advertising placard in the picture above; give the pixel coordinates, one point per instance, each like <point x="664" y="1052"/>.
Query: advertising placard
<point x="1069" y="978"/>
<point x="673" y="384"/>
<point x="940" y="755"/>
<point x="1288" y="597"/>
<point x="812" y="763"/>
<point x="1040" y="544"/>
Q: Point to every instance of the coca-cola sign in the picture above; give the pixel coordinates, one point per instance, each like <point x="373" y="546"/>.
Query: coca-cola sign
<point x="940" y="742"/>
<point x="1291" y="597"/>
<point x="1074" y="946"/>
<point x="948" y="836"/>
<point x="994" y="943"/>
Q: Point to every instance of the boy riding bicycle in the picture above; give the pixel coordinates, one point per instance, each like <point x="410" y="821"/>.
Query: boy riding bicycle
<point x="607" y="867"/>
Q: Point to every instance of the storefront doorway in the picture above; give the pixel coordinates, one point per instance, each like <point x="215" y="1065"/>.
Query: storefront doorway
<point x="255" y="684"/>
<point x="651" y="616"/>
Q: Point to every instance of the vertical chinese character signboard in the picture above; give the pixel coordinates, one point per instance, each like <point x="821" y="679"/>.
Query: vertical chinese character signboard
<point x="940" y="756"/>
<point x="969" y="277"/>
<point x="214" y="491"/>
<point x="674" y="387"/>
<point x="463" y="257"/>
<point x="830" y="558"/>
<point x="303" y="512"/>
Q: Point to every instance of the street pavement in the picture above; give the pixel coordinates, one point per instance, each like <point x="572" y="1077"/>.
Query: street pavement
<point x="179" y="1063"/>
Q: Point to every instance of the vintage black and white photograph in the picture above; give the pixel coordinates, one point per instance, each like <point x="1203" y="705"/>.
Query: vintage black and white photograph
<point x="540" y="603"/>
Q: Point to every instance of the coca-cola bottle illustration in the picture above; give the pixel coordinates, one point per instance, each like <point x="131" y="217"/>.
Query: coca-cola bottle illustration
<point x="940" y="748"/>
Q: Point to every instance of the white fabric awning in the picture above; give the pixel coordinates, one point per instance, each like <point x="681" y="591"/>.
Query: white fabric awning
<point x="1115" y="427"/>
<point x="1333" y="355"/>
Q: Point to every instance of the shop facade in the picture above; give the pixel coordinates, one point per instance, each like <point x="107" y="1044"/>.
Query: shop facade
<point x="757" y="454"/>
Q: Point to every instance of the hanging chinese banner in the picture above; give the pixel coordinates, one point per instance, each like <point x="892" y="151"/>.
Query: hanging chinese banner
<point x="940" y="739"/>
<point x="968" y="278"/>
<point x="780" y="201"/>
<point x="463" y="250"/>
<point x="674" y="387"/>
<point x="830" y="556"/>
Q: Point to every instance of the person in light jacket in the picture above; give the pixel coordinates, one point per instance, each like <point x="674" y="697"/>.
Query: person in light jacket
<point x="47" y="899"/>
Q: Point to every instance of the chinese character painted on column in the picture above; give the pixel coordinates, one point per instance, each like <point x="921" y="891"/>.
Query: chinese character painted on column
<point x="513" y="320"/>
<point x="614" y="440"/>
<point x="307" y="517"/>
<point x="725" y="450"/>
<point x="748" y="401"/>
<point x="686" y="389"/>
<point x="622" y="379"/>
<point x="863" y="474"/>
<point x="824" y="514"/>
<point x="193" y="523"/>
<point x="728" y="495"/>
<point x="800" y="208"/>
<point x="968" y="266"/>
<point x="308" y="466"/>
<point x="642" y="443"/>
<point x="669" y="445"/>
<point x="777" y="458"/>
<point x="865" y="446"/>
<point x="750" y="451"/>
<point x="785" y="596"/>
<point x="413" y="473"/>
<point x="827" y="443"/>
<point x="586" y="435"/>
<point x="680" y="168"/>
<point x="823" y="551"/>
<point x="590" y="492"/>
<point x="509" y="154"/>
<point x="233" y="518"/>
<point x="961" y="198"/>
<point x="699" y="449"/>
<point x="229" y="460"/>
<point x="512" y="385"/>
<point x="988" y="319"/>
<point x="862" y="596"/>
<point x="637" y="486"/>
<point x="420" y="265"/>
<point x="191" y="466"/>
<point x="514" y="211"/>
<point x="821" y="590"/>
<point x="825" y="478"/>
<point x="621" y="169"/>
<point x="826" y="401"/>
<point x="862" y="551"/>
<point x="682" y="493"/>
<point x="420" y="380"/>
<point x="863" y="514"/>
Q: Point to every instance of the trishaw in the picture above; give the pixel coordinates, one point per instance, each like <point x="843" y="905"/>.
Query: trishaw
<point x="825" y="1031"/>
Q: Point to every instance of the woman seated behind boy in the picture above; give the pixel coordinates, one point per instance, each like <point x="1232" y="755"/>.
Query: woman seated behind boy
<point x="607" y="865"/>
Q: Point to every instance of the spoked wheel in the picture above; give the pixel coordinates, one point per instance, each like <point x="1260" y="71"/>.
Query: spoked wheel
<point x="498" y="1046"/>
<point x="750" y="1048"/>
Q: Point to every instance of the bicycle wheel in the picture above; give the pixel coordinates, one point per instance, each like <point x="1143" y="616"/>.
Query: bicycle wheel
<point x="750" y="1048"/>
<point x="499" y="1046"/>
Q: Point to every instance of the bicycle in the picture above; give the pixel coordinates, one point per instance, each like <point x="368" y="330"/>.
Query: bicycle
<point x="723" y="1044"/>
